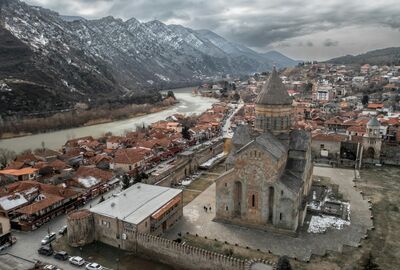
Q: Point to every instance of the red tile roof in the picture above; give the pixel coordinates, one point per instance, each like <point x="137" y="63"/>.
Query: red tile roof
<point x="35" y="207"/>
<point x="329" y="137"/>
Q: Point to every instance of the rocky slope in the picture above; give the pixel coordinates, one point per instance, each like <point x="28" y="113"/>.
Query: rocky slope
<point x="50" y="62"/>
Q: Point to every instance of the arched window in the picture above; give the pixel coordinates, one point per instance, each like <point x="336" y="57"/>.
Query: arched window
<point x="253" y="200"/>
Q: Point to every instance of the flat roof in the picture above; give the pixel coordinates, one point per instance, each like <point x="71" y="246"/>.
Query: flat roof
<point x="136" y="203"/>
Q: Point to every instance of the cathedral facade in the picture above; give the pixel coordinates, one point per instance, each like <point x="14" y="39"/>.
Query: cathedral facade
<point x="269" y="168"/>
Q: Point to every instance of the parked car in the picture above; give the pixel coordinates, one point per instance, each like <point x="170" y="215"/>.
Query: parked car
<point x="49" y="238"/>
<point x="94" y="266"/>
<point x="45" y="250"/>
<point x="50" y="267"/>
<point x="61" y="255"/>
<point x="76" y="260"/>
<point x="63" y="230"/>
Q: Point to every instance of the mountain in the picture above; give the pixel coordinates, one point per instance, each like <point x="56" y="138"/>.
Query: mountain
<point x="72" y="18"/>
<point x="280" y="59"/>
<point x="385" y="56"/>
<point x="50" y="62"/>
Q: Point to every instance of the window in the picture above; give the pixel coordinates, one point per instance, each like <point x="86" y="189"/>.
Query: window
<point x="253" y="200"/>
<point x="322" y="146"/>
<point x="226" y="208"/>
<point x="226" y="184"/>
<point x="280" y="216"/>
<point x="281" y="192"/>
<point x="145" y="224"/>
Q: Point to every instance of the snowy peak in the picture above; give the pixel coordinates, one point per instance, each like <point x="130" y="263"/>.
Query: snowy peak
<point x="83" y="60"/>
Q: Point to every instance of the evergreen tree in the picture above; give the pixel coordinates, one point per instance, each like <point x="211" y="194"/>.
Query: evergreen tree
<point x="171" y="94"/>
<point x="186" y="133"/>
<point x="365" y="99"/>
<point x="126" y="181"/>
<point x="283" y="264"/>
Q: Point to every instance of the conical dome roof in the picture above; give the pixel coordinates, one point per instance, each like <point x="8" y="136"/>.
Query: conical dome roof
<point x="274" y="92"/>
<point x="373" y="122"/>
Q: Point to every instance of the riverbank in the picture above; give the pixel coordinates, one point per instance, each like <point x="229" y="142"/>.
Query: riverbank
<point x="74" y="119"/>
<point x="188" y="104"/>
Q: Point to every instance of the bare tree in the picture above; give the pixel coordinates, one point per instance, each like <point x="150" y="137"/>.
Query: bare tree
<point x="6" y="156"/>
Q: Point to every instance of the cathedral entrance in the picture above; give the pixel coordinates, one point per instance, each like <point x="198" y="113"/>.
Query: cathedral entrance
<point x="270" y="204"/>
<point x="237" y="198"/>
<point x="370" y="153"/>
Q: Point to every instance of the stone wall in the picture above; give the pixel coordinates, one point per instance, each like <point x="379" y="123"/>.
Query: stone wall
<point x="185" y="256"/>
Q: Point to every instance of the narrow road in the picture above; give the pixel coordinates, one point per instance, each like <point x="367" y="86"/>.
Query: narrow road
<point x="29" y="242"/>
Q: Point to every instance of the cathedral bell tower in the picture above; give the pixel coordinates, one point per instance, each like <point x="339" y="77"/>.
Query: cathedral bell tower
<point x="372" y="140"/>
<point x="273" y="107"/>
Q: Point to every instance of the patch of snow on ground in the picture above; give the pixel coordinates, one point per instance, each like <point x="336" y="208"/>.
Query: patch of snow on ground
<point x="89" y="181"/>
<point x="162" y="77"/>
<point x="211" y="161"/>
<point x="319" y="224"/>
<point x="4" y="88"/>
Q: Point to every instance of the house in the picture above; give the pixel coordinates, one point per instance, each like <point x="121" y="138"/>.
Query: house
<point x="89" y="177"/>
<point x="365" y="69"/>
<point x="327" y="145"/>
<point x="131" y="158"/>
<point x="46" y="154"/>
<point x="73" y="143"/>
<point x="177" y="127"/>
<point x="19" y="174"/>
<point x="45" y="201"/>
<point x="113" y="142"/>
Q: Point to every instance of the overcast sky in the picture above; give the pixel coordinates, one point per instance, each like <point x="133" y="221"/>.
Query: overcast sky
<point x="305" y="29"/>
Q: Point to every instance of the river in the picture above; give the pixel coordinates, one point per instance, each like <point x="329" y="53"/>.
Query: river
<point x="188" y="104"/>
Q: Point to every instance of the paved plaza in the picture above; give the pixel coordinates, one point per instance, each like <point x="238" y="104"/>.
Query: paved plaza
<point x="197" y="221"/>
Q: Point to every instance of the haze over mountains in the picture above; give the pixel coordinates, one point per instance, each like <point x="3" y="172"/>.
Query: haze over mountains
<point x="50" y="62"/>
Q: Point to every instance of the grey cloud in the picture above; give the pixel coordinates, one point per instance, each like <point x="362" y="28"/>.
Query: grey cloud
<point x="330" y="43"/>
<point x="256" y="23"/>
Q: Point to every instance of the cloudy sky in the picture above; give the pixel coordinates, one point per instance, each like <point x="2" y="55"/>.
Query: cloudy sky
<point x="311" y="29"/>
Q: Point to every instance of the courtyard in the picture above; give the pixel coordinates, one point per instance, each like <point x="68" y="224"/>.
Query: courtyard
<point x="197" y="221"/>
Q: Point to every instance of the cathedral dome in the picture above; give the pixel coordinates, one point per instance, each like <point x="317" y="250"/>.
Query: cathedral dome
<point x="373" y="122"/>
<point x="274" y="92"/>
<point x="273" y="107"/>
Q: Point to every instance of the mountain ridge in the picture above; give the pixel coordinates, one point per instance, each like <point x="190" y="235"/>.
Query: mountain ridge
<point x="106" y="59"/>
<point x="390" y="55"/>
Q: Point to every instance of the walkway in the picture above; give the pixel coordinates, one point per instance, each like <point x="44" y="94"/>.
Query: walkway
<point x="197" y="221"/>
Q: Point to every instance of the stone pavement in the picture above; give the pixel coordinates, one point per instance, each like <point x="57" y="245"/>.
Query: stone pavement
<point x="196" y="221"/>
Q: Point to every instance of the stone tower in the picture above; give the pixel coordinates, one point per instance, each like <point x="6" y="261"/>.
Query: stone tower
<point x="273" y="107"/>
<point x="372" y="140"/>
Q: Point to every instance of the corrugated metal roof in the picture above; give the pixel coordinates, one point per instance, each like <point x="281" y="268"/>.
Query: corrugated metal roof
<point x="136" y="203"/>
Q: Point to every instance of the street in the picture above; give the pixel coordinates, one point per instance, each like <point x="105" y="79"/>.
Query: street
<point x="29" y="242"/>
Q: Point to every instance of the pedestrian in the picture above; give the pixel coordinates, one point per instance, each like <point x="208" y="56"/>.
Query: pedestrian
<point x="205" y="208"/>
<point x="210" y="208"/>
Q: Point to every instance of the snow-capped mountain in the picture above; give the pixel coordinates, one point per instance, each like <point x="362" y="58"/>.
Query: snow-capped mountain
<point x="50" y="61"/>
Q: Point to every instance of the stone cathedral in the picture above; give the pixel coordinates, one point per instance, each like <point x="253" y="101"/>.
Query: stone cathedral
<point x="269" y="168"/>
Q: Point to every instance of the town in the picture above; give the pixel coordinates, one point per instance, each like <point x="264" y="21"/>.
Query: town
<point x="148" y="183"/>
<point x="185" y="187"/>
